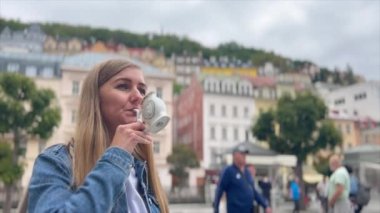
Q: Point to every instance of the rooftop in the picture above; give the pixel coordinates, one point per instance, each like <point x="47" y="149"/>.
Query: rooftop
<point x="87" y="60"/>
<point x="32" y="56"/>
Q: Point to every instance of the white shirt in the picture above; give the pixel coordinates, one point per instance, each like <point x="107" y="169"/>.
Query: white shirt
<point x="134" y="201"/>
<point x="322" y="188"/>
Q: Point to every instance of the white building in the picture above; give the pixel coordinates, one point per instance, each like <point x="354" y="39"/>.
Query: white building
<point x="268" y="70"/>
<point x="362" y="99"/>
<point x="30" y="39"/>
<point x="228" y="113"/>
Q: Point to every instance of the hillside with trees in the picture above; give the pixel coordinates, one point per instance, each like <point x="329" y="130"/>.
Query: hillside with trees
<point x="173" y="44"/>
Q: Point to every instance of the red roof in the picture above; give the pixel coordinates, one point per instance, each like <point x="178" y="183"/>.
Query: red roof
<point x="262" y="81"/>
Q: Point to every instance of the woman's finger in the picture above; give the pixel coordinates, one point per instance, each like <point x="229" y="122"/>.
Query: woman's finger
<point x="141" y="137"/>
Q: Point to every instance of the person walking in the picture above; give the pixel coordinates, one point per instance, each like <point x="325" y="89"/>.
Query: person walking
<point x="266" y="187"/>
<point x="237" y="183"/>
<point x="295" y="192"/>
<point x="322" y="193"/>
<point x="338" y="187"/>
<point x="354" y="190"/>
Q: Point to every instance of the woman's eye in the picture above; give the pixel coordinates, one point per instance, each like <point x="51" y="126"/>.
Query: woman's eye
<point x="123" y="86"/>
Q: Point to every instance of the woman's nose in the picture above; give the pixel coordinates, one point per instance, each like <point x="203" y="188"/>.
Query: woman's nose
<point x="136" y="96"/>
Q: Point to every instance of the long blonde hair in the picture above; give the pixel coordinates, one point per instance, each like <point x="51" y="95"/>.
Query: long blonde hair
<point x="91" y="138"/>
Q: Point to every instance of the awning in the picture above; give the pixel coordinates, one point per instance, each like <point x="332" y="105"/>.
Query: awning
<point x="312" y="178"/>
<point x="278" y="160"/>
<point x="310" y="175"/>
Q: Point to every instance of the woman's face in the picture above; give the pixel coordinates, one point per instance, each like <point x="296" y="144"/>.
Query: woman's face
<point x="120" y="96"/>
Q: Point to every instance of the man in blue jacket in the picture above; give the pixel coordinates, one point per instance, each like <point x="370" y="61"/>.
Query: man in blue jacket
<point x="237" y="182"/>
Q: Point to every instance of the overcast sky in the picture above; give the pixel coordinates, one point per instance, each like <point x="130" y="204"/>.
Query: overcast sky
<point x="330" y="33"/>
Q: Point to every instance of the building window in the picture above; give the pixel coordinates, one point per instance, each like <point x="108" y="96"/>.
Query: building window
<point x="223" y="110"/>
<point x="208" y="87"/>
<point x="75" y="88"/>
<point x="31" y="71"/>
<point x="235" y="111"/>
<point x="348" y="128"/>
<point x="260" y="91"/>
<point x="12" y="67"/>
<point x="73" y="116"/>
<point x="242" y="90"/>
<point x="159" y="92"/>
<point x="224" y="133"/>
<point x="340" y="101"/>
<point x="212" y="109"/>
<point x="226" y="90"/>
<point x="47" y="72"/>
<point x="212" y="133"/>
<point x="247" y="135"/>
<point x="246" y="112"/>
<point x="360" y="96"/>
<point x="216" y="88"/>
<point x="273" y="94"/>
<point x="236" y="134"/>
<point x="156" y="147"/>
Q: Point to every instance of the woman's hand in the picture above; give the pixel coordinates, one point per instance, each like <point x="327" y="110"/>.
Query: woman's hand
<point x="127" y="136"/>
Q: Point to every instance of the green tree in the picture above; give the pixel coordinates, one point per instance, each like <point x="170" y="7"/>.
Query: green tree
<point x="301" y="130"/>
<point x="321" y="165"/>
<point x="25" y="112"/>
<point x="350" y="77"/>
<point x="9" y="171"/>
<point x="182" y="157"/>
<point x="177" y="88"/>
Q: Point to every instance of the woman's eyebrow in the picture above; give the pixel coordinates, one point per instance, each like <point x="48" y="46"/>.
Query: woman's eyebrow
<point x="123" y="79"/>
<point x="142" y="85"/>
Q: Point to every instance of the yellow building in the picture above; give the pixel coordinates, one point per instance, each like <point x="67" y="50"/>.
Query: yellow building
<point x="348" y="127"/>
<point x="265" y="105"/>
<point x="163" y="64"/>
<point x="52" y="45"/>
<point x="292" y="83"/>
<point x="100" y="47"/>
<point x="265" y="93"/>
<point x="74" y="45"/>
<point x="229" y="71"/>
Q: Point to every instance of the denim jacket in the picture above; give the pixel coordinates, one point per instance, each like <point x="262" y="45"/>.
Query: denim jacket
<point x="50" y="187"/>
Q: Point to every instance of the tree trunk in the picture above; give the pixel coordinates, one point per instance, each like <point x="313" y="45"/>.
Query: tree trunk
<point x="8" y="199"/>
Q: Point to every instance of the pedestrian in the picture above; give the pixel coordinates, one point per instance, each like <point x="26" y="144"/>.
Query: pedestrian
<point x="266" y="187"/>
<point x="108" y="166"/>
<point x="354" y="189"/>
<point x="338" y="187"/>
<point x="237" y="183"/>
<point x="322" y="193"/>
<point x="295" y="192"/>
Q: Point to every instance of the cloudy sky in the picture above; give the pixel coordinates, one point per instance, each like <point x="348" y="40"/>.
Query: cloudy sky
<point x="329" y="33"/>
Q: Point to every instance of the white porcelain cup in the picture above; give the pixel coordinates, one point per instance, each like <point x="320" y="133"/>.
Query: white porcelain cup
<point x="153" y="113"/>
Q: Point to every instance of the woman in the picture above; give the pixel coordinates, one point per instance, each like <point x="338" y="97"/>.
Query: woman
<point x="109" y="165"/>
